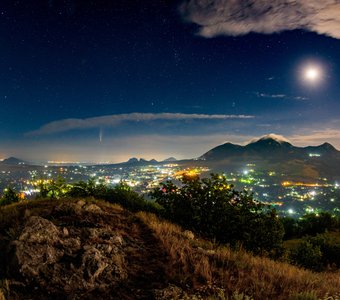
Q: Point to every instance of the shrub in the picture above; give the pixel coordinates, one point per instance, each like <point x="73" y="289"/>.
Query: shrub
<point x="121" y="194"/>
<point x="291" y="227"/>
<point x="9" y="196"/>
<point x="317" y="253"/>
<point x="213" y="208"/>
<point x="54" y="189"/>
<point x="307" y="255"/>
<point x="312" y="224"/>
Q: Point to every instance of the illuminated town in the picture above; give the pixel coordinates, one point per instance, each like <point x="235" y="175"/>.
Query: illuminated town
<point x="288" y="197"/>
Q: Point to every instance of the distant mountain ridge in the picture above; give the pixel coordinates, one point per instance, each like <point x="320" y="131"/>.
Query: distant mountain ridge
<point x="13" y="161"/>
<point x="275" y="153"/>
<point x="268" y="147"/>
<point x="142" y="161"/>
<point x="268" y="153"/>
<point x="170" y="159"/>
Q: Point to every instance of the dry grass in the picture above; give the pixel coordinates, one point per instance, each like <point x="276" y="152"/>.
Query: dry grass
<point x="201" y="268"/>
<point x="198" y="263"/>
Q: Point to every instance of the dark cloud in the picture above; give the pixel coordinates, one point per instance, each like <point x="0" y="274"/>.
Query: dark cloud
<point x="239" y="17"/>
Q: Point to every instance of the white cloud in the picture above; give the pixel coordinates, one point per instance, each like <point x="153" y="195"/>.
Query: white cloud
<point x="280" y="96"/>
<point x="114" y="120"/>
<point x="276" y="137"/>
<point x="240" y="17"/>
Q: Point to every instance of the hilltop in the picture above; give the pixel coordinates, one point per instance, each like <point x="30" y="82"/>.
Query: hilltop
<point x="90" y="249"/>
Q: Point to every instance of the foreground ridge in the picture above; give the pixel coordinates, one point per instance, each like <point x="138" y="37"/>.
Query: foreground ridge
<point x="87" y="249"/>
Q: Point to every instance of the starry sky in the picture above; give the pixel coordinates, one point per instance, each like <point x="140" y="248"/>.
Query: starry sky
<point x="105" y="80"/>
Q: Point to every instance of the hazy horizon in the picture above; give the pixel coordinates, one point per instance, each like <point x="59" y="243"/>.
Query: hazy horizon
<point x="169" y="149"/>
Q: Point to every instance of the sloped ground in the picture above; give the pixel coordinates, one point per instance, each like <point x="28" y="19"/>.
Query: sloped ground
<point x="87" y="249"/>
<point x="80" y="250"/>
<point x="218" y="272"/>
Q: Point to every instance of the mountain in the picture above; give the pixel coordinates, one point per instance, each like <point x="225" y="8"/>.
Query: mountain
<point x="273" y="152"/>
<point x="135" y="162"/>
<point x="13" y="161"/>
<point x="268" y="147"/>
<point x="132" y="160"/>
<point x="222" y="151"/>
<point x="268" y="144"/>
<point x="170" y="159"/>
<point x="322" y="149"/>
<point x="264" y="146"/>
<point x="143" y="161"/>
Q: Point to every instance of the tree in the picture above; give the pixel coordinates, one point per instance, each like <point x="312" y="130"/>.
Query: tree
<point x="312" y="224"/>
<point x="9" y="196"/>
<point x="54" y="189"/>
<point x="317" y="252"/>
<point x="307" y="255"/>
<point x="213" y="208"/>
<point x="88" y="189"/>
<point x="291" y="227"/>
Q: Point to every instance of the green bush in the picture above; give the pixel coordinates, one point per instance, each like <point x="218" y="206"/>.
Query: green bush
<point x="309" y="224"/>
<point x="291" y="227"/>
<point x="121" y="194"/>
<point x="317" y="253"/>
<point x="213" y="208"/>
<point x="307" y="255"/>
<point x="55" y="189"/>
<point x="9" y="196"/>
<point x="312" y="224"/>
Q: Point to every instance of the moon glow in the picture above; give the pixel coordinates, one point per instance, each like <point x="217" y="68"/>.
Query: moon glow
<point x="312" y="74"/>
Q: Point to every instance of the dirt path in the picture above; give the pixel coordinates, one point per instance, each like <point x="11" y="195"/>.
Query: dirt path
<point x="146" y="260"/>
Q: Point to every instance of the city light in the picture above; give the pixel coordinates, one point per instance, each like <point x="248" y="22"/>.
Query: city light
<point x="290" y="197"/>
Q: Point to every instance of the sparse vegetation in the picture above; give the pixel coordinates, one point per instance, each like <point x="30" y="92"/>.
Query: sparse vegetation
<point x="198" y="268"/>
<point x="310" y="224"/>
<point x="318" y="253"/>
<point x="214" y="209"/>
<point x="120" y="194"/>
<point x="195" y="262"/>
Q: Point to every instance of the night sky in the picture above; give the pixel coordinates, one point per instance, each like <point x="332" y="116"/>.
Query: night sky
<point x="107" y="80"/>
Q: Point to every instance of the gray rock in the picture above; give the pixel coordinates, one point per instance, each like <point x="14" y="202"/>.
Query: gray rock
<point x="70" y="260"/>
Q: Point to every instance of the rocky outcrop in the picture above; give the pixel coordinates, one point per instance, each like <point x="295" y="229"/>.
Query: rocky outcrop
<point x="82" y="249"/>
<point x="70" y="259"/>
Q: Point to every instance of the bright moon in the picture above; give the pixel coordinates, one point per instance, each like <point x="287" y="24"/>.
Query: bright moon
<point x="312" y="74"/>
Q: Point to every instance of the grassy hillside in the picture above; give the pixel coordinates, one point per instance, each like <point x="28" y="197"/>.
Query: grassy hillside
<point x="87" y="249"/>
